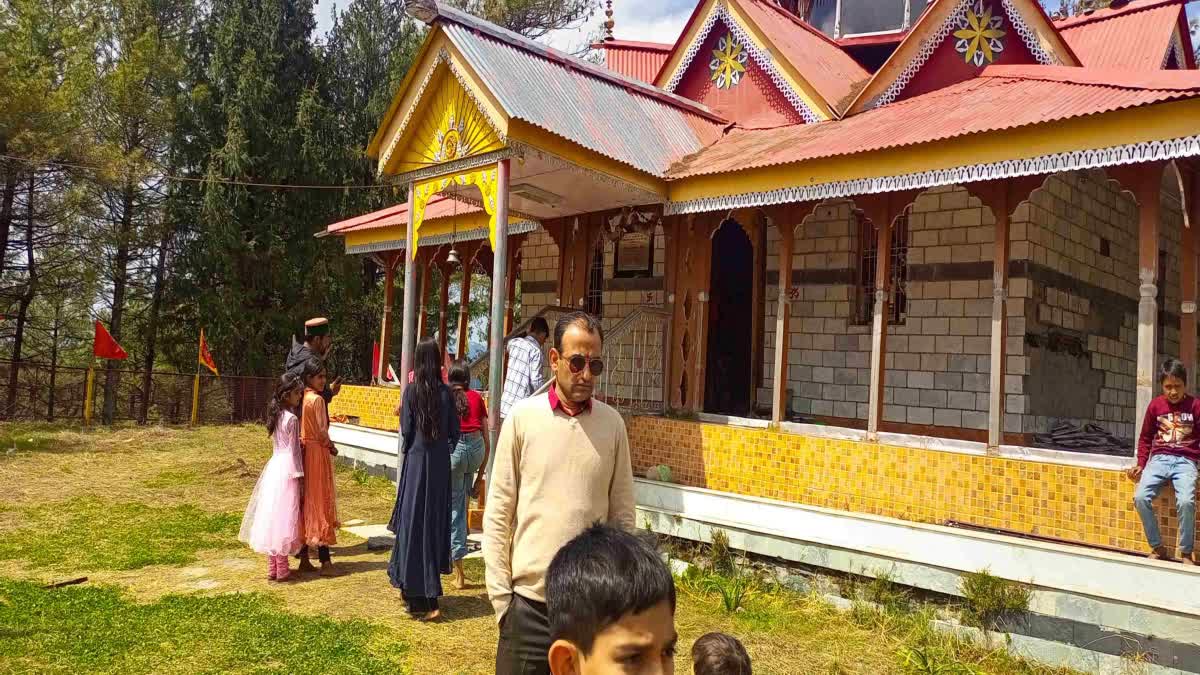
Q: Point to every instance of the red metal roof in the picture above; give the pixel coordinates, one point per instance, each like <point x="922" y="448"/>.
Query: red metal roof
<point x="1002" y="97"/>
<point x="829" y="69"/>
<point x="639" y="60"/>
<point x="439" y="206"/>
<point x="1135" y="36"/>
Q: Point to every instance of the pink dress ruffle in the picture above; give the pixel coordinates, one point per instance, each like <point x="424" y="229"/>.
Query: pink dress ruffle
<point x="272" y="522"/>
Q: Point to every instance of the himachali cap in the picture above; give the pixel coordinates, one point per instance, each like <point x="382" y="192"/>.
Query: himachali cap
<point x="316" y="327"/>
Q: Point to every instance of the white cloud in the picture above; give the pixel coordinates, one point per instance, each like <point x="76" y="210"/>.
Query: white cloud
<point x="647" y="21"/>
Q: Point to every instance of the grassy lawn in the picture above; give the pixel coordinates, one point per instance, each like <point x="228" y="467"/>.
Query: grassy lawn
<point x="150" y="516"/>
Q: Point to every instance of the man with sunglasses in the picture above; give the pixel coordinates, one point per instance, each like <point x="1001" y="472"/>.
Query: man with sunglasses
<point x="562" y="463"/>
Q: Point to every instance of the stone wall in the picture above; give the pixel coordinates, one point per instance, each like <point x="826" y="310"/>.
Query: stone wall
<point x="1072" y="328"/>
<point x="539" y="272"/>
<point x="1077" y="242"/>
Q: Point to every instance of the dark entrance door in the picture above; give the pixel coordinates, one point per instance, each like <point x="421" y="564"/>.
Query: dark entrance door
<point x="729" y="365"/>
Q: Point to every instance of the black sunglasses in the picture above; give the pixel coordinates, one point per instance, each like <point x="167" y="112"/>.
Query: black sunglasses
<point x="578" y="362"/>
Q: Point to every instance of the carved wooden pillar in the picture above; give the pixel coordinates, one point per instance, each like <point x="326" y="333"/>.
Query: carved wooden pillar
<point x="425" y="270"/>
<point x="389" y="279"/>
<point x="1187" y="281"/>
<point x="1145" y="182"/>
<point x="783" y="315"/>
<point x="881" y="210"/>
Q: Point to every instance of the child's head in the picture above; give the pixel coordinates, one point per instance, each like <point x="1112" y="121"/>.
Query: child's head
<point x="719" y="654"/>
<point x="459" y="374"/>
<point x="314" y="373"/>
<point x="1173" y="378"/>
<point x="288" y="393"/>
<point x="611" y="604"/>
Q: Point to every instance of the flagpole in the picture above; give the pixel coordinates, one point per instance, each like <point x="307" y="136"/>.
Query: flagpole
<point x="196" y="385"/>
<point x="90" y="389"/>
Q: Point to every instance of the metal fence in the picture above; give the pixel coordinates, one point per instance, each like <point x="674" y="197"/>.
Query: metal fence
<point x="57" y="393"/>
<point x="635" y="352"/>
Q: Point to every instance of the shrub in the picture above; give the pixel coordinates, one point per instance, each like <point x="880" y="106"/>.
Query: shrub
<point x="990" y="600"/>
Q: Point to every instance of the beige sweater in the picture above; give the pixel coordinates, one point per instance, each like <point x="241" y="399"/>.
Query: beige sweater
<point x="554" y="476"/>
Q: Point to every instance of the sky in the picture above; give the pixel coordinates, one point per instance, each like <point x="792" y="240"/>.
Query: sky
<point x="646" y="20"/>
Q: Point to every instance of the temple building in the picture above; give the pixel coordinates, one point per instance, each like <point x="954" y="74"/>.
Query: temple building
<point x="856" y="259"/>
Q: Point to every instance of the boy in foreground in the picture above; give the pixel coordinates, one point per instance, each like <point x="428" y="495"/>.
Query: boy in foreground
<point x="720" y="654"/>
<point x="611" y="604"/>
<point x="1168" y="453"/>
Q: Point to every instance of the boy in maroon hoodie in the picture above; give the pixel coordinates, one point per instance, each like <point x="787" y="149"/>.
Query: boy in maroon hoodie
<point x="1168" y="452"/>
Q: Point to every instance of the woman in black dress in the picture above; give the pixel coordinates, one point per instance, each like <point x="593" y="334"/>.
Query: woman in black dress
<point x="421" y="518"/>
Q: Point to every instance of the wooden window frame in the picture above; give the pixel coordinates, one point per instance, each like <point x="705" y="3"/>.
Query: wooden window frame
<point x="864" y="296"/>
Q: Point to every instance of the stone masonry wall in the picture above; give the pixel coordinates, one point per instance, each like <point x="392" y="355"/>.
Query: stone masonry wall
<point x="1078" y="236"/>
<point x="539" y="272"/>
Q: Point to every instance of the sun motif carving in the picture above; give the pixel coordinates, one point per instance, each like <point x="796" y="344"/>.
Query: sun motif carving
<point x="449" y="140"/>
<point x="728" y="63"/>
<point x="980" y="34"/>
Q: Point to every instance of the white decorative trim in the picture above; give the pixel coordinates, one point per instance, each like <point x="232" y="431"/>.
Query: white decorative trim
<point x="931" y="43"/>
<point x="1046" y="164"/>
<point x="760" y="56"/>
<point x="439" y="239"/>
<point x="1029" y="36"/>
<point x="443" y="56"/>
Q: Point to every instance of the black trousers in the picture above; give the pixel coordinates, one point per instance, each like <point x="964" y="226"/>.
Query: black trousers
<point x="322" y="553"/>
<point x="524" y="639"/>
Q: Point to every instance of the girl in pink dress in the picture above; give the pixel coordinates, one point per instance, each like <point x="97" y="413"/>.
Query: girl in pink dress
<point x="271" y="525"/>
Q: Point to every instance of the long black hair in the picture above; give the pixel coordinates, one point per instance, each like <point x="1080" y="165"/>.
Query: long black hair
<point x="287" y="384"/>
<point x="426" y="390"/>
<point x="460" y="382"/>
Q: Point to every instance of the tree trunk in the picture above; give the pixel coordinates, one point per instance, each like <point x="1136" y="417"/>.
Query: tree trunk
<point x="120" y="280"/>
<point x="6" y="207"/>
<point x="14" y="371"/>
<point x="160" y="270"/>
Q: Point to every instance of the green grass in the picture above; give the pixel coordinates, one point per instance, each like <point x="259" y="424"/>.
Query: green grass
<point x="97" y="629"/>
<point x="168" y="479"/>
<point x="89" y="533"/>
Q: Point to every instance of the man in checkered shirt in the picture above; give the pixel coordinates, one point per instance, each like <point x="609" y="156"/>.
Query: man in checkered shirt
<point x="525" y="365"/>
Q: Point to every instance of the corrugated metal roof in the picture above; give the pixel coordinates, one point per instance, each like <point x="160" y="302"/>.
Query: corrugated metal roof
<point x="829" y="69"/>
<point x="1003" y="97"/>
<point x="610" y="114"/>
<point x="1136" y="36"/>
<point x="439" y="206"/>
<point x="639" y="60"/>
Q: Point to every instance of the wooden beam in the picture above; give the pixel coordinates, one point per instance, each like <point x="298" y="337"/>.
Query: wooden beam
<point x="425" y="269"/>
<point x="1188" y="277"/>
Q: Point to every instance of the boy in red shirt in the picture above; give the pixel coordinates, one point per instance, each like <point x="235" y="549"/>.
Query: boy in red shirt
<point x="1168" y="453"/>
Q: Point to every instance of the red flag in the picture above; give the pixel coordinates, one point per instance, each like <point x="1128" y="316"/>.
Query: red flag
<point x="206" y="358"/>
<point x="105" y="347"/>
<point x="390" y="374"/>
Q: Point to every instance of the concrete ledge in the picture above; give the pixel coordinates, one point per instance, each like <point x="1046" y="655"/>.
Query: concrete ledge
<point x="371" y="449"/>
<point x="1106" y="589"/>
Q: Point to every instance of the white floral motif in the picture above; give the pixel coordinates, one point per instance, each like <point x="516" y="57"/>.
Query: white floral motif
<point x="980" y="34"/>
<point x="728" y="63"/>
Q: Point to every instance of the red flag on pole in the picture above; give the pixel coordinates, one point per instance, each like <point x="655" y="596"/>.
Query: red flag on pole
<point x="206" y="358"/>
<point x="390" y="374"/>
<point x="105" y="347"/>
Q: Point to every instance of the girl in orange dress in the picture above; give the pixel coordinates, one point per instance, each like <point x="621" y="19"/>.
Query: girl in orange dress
<point x="319" y="507"/>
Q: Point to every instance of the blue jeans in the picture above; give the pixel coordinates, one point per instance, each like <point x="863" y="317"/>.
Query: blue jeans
<point x="1181" y="473"/>
<point x="464" y="464"/>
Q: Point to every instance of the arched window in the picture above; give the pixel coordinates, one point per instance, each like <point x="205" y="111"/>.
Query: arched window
<point x="593" y="302"/>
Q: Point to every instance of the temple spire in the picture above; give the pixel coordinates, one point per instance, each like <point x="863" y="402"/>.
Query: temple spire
<point x="608" y="22"/>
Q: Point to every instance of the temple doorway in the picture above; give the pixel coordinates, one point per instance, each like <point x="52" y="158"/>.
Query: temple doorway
<point x="729" y="364"/>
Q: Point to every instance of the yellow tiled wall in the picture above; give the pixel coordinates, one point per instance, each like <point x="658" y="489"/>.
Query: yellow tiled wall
<point x="373" y="406"/>
<point x="1079" y="504"/>
<point x="1092" y="506"/>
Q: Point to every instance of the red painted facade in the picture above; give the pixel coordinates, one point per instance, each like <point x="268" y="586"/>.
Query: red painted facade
<point x="755" y="101"/>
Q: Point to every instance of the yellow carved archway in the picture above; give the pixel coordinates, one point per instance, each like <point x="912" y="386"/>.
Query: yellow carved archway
<point x="485" y="179"/>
